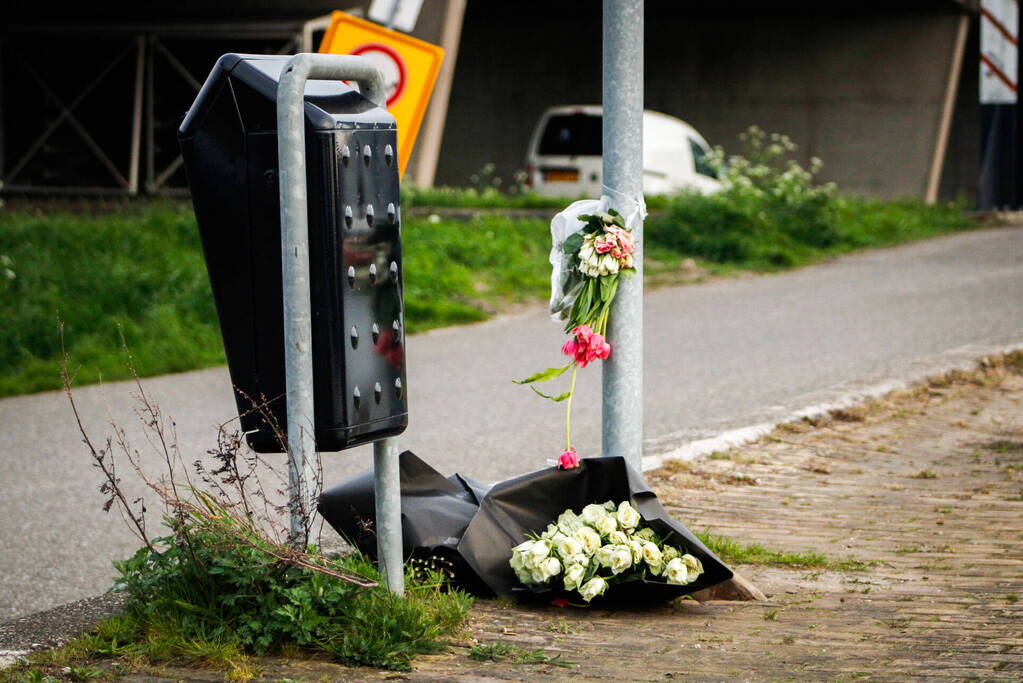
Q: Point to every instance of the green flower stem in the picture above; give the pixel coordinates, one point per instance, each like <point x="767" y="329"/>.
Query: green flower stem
<point x="568" y="409"/>
<point x="601" y="324"/>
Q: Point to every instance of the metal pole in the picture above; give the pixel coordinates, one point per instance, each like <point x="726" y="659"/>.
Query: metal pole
<point x="387" y="492"/>
<point x="298" y="361"/>
<point x="623" y="180"/>
<point x="136" y="116"/>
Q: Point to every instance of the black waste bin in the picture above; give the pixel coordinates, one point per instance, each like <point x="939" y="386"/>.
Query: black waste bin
<point x="229" y="144"/>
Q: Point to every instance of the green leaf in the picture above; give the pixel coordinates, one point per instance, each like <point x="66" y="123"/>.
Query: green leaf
<point x="549" y="373"/>
<point x="573" y="243"/>
<point x="582" y="304"/>
<point x="608" y="288"/>
<point x="557" y="399"/>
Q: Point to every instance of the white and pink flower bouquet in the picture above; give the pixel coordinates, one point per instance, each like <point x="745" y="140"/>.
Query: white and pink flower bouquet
<point x="602" y="546"/>
<point x="589" y="264"/>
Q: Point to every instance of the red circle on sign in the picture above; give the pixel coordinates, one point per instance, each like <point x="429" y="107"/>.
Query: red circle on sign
<point x="394" y="57"/>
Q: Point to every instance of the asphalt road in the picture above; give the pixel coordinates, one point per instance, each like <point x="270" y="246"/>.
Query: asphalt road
<point x="720" y="355"/>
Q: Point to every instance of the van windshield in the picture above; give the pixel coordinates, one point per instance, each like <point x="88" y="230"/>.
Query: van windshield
<point x="572" y="135"/>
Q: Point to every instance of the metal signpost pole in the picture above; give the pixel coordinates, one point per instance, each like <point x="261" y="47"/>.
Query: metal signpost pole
<point x="623" y="182"/>
<point x="298" y="360"/>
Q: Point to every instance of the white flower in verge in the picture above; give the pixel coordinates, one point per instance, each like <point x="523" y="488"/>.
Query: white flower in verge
<point x="627" y="516"/>
<point x="573" y="576"/>
<point x="645" y="534"/>
<point x="592" y="588"/>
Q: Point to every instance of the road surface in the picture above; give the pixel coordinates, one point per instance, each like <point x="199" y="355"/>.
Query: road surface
<point x="720" y="355"/>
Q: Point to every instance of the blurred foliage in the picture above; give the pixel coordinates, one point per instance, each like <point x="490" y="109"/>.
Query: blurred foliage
<point x="772" y="214"/>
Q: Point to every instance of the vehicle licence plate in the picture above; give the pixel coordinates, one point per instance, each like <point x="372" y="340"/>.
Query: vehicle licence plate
<point x="568" y="176"/>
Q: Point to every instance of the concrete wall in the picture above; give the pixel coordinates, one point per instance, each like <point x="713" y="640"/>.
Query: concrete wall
<point x="861" y="88"/>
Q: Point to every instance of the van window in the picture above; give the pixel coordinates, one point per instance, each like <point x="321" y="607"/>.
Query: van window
<point x="701" y="160"/>
<point x="572" y="135"/>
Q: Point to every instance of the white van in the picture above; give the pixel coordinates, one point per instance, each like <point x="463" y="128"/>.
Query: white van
<point x="564" y="158"/>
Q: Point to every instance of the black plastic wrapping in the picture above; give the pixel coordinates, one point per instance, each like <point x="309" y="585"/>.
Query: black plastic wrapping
<point x="475" y="528"/>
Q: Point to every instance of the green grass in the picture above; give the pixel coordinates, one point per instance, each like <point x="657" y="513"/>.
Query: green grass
<point x="136" y="269"/>
<point x="139" y="270"/>
<point x="767" y="234"/>
<point x="733" y="552"/>
<point x="259" y="609"/>
<point x="491" y="198"/>
<point x="501" y="651"/>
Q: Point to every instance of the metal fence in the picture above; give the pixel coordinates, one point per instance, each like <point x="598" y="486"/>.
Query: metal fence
<point x="94" y="110"/>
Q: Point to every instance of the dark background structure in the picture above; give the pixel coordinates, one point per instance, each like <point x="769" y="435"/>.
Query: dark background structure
<point x="884" y="92"/>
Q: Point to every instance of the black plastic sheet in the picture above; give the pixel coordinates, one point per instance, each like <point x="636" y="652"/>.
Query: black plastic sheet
<point x="474" y="527"/>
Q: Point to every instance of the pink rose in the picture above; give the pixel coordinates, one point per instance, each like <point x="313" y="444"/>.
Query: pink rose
<point x="569" y="348"/>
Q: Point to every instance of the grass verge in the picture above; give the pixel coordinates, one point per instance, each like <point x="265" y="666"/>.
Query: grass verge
<point x="137" y="270"/>
<point x="734" y="552"/>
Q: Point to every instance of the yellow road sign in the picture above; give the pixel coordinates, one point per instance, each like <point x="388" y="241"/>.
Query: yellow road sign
<point x="409" y="65"/>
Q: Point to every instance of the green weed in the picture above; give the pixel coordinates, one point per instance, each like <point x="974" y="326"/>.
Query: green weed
<point x="734" y="552"/>
<point x="500" y="651"/>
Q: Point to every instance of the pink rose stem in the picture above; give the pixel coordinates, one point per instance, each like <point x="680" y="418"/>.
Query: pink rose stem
<point x="568" y="410"/>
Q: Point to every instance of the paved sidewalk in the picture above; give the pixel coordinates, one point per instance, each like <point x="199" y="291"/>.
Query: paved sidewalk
<point x="927" y="483"/>
<point x="924" y="485"/>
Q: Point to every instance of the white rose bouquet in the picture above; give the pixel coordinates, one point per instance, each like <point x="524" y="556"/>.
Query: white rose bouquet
<point x="603" y="545"/>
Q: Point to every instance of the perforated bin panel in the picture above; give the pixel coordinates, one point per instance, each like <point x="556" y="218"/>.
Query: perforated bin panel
<point x="373" y="328"/>
<point x="229" y="144"/>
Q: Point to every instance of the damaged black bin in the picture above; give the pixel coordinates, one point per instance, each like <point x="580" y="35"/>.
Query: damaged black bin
<point x="229" y="144"/>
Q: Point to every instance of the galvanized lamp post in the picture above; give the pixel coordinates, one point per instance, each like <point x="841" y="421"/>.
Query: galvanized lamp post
<point x="623" y="180"/>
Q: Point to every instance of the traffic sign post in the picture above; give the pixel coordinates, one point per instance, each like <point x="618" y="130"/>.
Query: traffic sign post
<point x="409" y="67"/>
